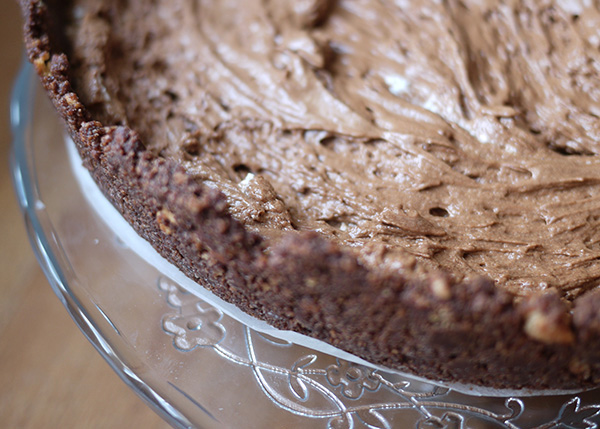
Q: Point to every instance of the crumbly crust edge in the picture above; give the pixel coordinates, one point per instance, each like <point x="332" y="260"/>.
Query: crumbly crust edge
<point x="469" y="332"/>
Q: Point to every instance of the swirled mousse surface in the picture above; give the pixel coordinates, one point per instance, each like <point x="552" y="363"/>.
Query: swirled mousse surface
<point x="453" y="135"/>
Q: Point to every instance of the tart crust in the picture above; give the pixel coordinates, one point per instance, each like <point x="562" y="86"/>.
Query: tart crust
<point x="469" y="332"/>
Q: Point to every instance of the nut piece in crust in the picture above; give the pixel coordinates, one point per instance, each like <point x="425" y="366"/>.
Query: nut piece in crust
<point x="546" y="320"/>
<point x="166" y="219"/>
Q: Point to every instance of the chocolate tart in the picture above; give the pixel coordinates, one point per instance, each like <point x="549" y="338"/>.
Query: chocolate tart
<point x="414" y="184"/>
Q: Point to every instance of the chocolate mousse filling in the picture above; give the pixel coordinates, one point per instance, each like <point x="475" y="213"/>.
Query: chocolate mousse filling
<point x="445" y="153"/>
<point x="458" y="135"/>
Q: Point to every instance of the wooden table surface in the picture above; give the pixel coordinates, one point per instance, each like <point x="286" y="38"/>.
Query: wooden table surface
<point x="50" y="376"/>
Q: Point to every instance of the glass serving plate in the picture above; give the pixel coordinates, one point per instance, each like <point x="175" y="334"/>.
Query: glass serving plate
<point x="189" y="361"/>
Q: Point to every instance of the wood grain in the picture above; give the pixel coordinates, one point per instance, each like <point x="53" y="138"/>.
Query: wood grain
<point x="50" y="376"/>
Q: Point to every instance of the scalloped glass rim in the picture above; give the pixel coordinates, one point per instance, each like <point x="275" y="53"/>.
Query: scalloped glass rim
<point x="148" y="367"/>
